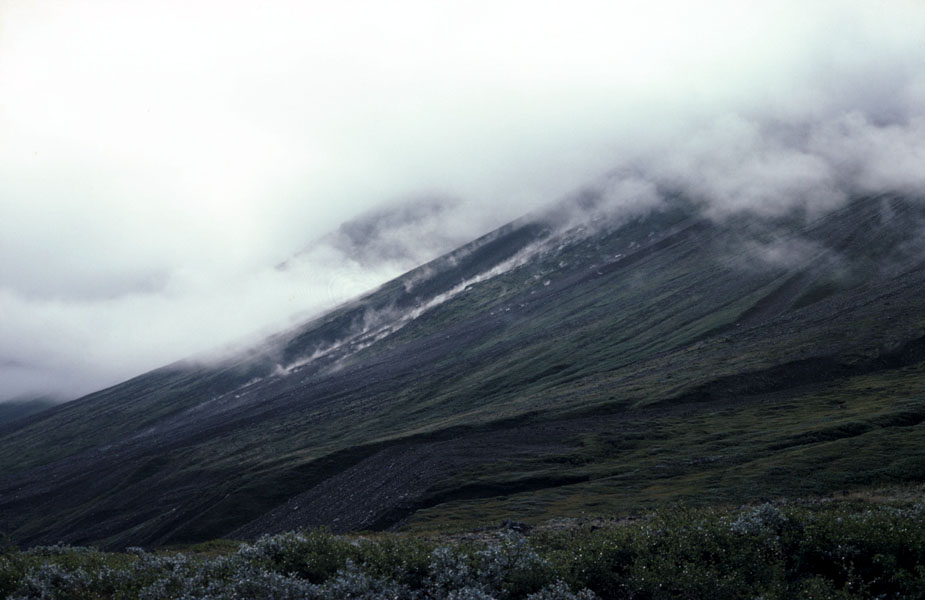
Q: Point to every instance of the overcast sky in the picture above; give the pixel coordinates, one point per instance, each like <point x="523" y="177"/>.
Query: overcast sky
<point x="159" y="158"/>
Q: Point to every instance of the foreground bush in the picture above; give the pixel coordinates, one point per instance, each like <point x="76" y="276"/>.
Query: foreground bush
<point x="829" y="551"/>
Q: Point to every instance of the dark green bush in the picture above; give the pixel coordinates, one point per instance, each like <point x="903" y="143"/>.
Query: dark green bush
<point x="314" y="555"/>
<point x="12" y="569"/>
<point x="826" y="551"/>
<point x="402" y="559"/>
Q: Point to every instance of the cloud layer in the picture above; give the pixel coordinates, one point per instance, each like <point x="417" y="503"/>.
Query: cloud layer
<point x="159" y="160"/>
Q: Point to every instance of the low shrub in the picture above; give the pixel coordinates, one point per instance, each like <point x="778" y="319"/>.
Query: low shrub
<point x="825" y="551"/>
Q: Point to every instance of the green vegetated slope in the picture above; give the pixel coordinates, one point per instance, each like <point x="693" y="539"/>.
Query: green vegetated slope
<point x="538" y="372"/>
<point x="846" y="435"/>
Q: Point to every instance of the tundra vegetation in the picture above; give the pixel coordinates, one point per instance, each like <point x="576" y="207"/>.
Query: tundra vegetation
<point x="870" y="546"/>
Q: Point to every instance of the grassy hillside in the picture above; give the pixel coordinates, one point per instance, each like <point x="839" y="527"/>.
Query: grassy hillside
<point x="537" y="372"/>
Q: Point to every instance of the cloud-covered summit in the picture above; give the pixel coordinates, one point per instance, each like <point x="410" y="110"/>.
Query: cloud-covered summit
<point x="159" y="159"/>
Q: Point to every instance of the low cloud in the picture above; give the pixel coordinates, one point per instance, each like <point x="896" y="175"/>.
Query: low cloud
<point x="198" y="312"/>
<point x="159" y="161"/>
<point x="738" y="164"/>
<point x="68" y="347"/>
<point x="401" y="234"/>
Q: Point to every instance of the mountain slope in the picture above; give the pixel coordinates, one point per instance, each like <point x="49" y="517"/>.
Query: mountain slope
<point x="23" y="407"/>
<point x="540" y="371"/>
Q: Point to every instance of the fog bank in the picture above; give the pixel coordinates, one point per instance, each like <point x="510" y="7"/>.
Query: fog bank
<point x="175" y="176"/>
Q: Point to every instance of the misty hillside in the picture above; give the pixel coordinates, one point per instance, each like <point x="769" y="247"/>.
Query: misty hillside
<point x="401" y="233"/>
<point x="577" y="361"/>
<point x="23" y="407"/>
